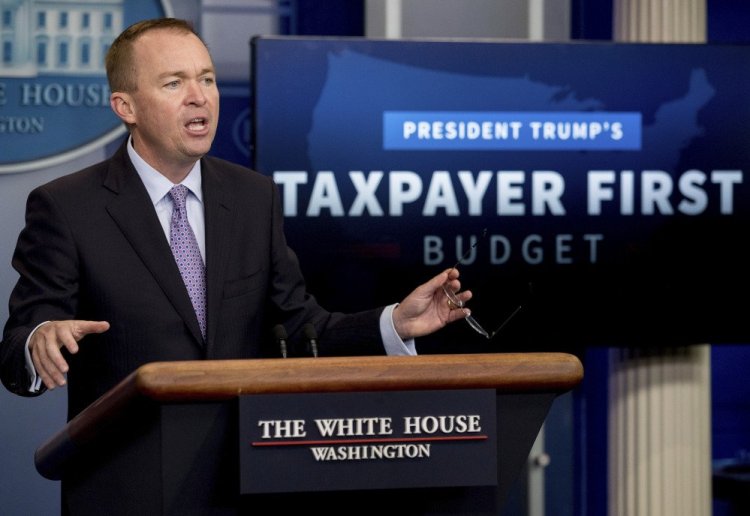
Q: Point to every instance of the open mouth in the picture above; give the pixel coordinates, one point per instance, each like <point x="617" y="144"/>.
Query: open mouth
<point x="197" y="124"/>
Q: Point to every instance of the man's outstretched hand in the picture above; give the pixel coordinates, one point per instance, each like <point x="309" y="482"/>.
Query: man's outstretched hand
<point x="428" y="309"/>
<point x="47" y="341"/>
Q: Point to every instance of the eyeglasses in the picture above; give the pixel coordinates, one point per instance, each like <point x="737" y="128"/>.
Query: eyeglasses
<point x="455" y="301"/>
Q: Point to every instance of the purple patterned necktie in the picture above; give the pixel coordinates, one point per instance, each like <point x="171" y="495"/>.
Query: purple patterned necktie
<point x="187" y="254"/>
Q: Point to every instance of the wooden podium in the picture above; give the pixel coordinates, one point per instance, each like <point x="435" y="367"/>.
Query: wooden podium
<point x="165" y="440"/>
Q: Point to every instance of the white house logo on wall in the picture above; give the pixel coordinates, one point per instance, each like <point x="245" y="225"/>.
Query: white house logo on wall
<point x="54" y="96"/>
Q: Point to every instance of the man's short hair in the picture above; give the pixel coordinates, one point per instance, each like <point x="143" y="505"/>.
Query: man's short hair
<point x="119" y="61"/>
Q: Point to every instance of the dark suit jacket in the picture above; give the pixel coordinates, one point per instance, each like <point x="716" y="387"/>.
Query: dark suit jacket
<point x="93" y="249"/>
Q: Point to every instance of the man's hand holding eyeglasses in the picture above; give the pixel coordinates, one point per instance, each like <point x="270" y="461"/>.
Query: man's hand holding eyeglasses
<point x="427" y="309"/>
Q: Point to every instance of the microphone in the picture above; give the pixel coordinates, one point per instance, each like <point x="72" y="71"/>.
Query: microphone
<point x="312" y="338"/>
<point x="279" y="334"/>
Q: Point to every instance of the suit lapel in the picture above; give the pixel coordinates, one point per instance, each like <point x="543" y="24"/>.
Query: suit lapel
<point x="218" y="216"/>
<point x="134" y="213"/>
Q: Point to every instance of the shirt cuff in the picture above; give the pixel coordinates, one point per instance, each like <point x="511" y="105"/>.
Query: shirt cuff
<point x="393" y="344"/>
<point x="35" y="383"/>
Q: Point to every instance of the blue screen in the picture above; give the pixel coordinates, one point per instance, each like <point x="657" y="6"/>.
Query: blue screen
<point x="599" y="185"/>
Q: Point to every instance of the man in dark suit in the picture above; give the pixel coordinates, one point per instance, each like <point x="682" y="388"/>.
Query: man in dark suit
<point x="100" y="293"/>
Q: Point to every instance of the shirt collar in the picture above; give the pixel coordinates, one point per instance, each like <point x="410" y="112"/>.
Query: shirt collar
<point x="156" y="184"/>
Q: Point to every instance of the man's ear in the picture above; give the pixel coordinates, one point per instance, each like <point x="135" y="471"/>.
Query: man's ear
<point x="122" y="105"/>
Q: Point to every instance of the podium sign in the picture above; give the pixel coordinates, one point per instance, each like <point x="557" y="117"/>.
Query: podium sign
<point x="367" y="440"/>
